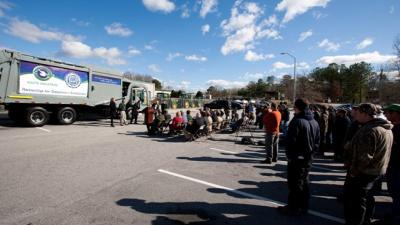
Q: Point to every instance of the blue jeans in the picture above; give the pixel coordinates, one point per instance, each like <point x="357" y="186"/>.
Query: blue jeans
<point x="284" y="127"/>
<point x="393" y="181"/>
<point x="271" y="145"/>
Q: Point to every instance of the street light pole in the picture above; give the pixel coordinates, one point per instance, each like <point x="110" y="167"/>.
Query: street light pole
<point x="294" y="74"/>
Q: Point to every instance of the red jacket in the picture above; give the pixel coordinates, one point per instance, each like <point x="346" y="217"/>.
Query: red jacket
<point x="271" y="121"/>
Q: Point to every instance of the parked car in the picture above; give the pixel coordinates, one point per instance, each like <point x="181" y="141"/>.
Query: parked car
<point x="223" y="104"/>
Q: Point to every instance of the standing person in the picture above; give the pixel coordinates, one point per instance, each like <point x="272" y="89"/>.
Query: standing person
<point x="392" y="113"/>
<point x="285" y="119"/>
<point x="370" y="154"/>
<point x="135" y="111"/>
<point x="113" y="110"/>
<point x="340" y="126"/>
<point x="331" y="122"/>
<point x="271" y="121"/>
<point x="302" y="141"/>
<point x="149" y="116"/>
<point x="323" y="126"/>
<point x="122" y="113"/>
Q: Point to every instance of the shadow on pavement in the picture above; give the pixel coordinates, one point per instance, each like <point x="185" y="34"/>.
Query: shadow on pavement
<point x="202" y="213"/>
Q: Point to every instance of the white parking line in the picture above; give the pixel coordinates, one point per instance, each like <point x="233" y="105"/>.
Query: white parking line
<point x="283" y="162"/>
<point x="270" y="201"/>
<point x="40" y="128"/>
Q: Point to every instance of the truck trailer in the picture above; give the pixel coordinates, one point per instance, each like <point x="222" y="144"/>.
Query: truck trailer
<point x="35" y="89"/>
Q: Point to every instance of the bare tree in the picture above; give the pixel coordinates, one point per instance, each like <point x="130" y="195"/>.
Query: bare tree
<point x="396" y="47"/>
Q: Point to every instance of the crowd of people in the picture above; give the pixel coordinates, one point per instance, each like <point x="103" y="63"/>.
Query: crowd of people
<point x="365" y="138"/>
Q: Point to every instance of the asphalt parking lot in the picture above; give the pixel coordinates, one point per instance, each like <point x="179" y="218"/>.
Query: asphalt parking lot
<point x="91" y="173"/>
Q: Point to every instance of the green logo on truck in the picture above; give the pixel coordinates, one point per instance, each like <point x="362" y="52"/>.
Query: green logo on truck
<point x="42" y="73"/>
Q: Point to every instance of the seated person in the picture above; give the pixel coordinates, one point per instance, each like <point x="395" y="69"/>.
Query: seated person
<point x="177" y="123"/>
<point x="236" y="125"/>
<point x="156" y="124"/>
<point x="219" y="120"/>
<point x="235" y="116"/>
<point x="209" y="122"/>
<point x="197" y="122"/>
<point x="189" y="117"/>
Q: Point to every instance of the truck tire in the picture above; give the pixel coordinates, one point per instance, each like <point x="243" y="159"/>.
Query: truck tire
<point x="66" y="115"/>
<point x="36" y="116"/>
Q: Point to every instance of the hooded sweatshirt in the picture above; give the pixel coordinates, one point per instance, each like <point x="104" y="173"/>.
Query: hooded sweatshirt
<point x="371" y="147"/>
<point x="303" y="136"/>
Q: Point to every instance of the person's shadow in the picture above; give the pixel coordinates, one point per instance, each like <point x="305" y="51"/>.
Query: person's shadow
<point x="196" y="213"/>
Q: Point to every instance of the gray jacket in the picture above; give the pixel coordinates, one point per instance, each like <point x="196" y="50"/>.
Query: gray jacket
<point x="371" y="147"/>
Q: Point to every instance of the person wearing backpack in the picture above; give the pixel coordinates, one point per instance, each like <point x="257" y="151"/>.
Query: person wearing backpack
<point x="302" y="140"/>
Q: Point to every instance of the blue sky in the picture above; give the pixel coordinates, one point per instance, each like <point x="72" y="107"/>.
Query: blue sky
<point x="192" y="44"/>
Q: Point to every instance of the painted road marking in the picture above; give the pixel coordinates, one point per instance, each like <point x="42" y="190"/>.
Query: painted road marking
<point x="270" y="201"/>
<point x="43" y="129"/>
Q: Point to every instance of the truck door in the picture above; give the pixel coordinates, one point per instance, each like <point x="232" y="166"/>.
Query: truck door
<point x="140" y="94"/>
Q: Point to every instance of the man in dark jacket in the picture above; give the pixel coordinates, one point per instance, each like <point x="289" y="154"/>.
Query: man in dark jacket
<point x="370" y="153"/>
<point x="301" y="141"/>
<point x="113" y="110"/>
<point x="392" y="112"/>
<point x="340" y="126"/>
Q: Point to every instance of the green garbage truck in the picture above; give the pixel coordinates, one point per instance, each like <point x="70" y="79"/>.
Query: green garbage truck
<point x="35" y="89"/>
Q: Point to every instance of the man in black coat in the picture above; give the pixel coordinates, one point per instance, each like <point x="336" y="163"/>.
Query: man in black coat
<point x="302" y="140"/>
<point x="341" y="124"/>
<point x="113" y="110"/>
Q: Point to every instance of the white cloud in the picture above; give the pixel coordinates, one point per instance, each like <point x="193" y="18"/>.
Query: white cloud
<point x="318" y="15"/>
<point x="184" y="85"/>
<point x="3" y="7"/>
<point x="185" y="11"/>
<point x="118" y="30"/>
<point x="369" y="57"/>
<point x="32" y="33"/>
<point x="78" y="49"/>
<point x="133" y="51"/>
<point x="207" y="6"/>
<point x="253" y="56"/>
<point x="154" y="68"/>
<point x="365" y="43"/>
<point x="305" y="35"/>
<point x="282" y="65"/>
<point x="391" y="10"/>
<point x="195" y="58"/>
<point x="149" y="47"/>
<point x="329" y="46"/>
<point x="80" y="23"/>
<point x="205" y="29"/>
<point x="165" y="6"/>
<point x="252" y="76"/>
<point x="271" y="21"/>
<point x="226" y="84"/>
<point x="244" y="27"/>
<point x="172" y="56"/>
<point x="294" y="8"/>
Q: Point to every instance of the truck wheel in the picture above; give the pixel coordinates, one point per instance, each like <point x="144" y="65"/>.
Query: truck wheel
<point x="36" y="116"/>
<point x="66" y="115"/>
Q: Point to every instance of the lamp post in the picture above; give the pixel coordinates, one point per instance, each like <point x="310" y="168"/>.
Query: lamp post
<point x="294" y="74"/>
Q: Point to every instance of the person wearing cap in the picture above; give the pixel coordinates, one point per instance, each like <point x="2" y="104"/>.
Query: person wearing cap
<point x="302" y="141"/>
<point x="370" y="153"/>
<point x="392" y="113"/>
